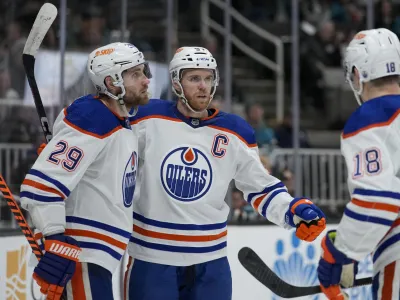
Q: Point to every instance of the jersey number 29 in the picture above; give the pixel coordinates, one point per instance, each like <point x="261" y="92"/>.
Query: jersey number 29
<point x="368" y="161"/>
<point x="69" y="157"/>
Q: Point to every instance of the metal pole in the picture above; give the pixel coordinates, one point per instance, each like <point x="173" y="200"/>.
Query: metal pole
<point x="170" y="39"/>
<point x="280" y="83"/>
<point x="124" y="12"/>
<point x="295" y="94"/>
<point x="204" y="17"/>
<point x="228" y="77"/>
<point x="228" y="57"/>
<point x="62" y="45"/>
<point x="370" y="14"/>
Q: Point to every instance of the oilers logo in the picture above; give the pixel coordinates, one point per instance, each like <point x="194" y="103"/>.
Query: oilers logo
<point x="186" y="174"/>
<point x="129" y="179"/>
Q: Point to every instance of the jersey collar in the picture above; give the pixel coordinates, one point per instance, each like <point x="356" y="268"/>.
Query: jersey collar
<point x="196" y="122"/>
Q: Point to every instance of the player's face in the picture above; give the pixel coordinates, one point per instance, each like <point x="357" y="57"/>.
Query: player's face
<point x="136" y="86"/>
<point x="197" y="85"/>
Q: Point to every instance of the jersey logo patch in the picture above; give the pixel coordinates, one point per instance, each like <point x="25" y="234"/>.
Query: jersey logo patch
<point x="129" y="179"/>
<point x="186" y="174"/>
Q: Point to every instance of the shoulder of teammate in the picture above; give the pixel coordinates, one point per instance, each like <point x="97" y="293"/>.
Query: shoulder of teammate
<point x="236" y="125"/>
<point x="376" y="114"/>
<point x="155" y="108"/>
<point x="90" y="116"/>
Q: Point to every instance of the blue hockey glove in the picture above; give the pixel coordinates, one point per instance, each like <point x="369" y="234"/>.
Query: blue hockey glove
<point x="335" y="268"/>
<point x="308" y="219"/>
<point x="57" y="265"/>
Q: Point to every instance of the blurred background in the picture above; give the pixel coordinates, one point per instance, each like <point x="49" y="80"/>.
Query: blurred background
<point x="279" y="60"/>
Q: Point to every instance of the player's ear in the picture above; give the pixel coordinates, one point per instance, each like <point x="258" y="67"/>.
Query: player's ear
<point x="108" y="81"/>
<point x="177" y="87"/>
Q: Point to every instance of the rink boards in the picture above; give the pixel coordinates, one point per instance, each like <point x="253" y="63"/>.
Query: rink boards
<point x="293" y="260"/>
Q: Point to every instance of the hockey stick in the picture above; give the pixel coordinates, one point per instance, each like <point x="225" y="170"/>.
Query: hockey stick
<point x="45" y="17"/>
<point x="256" y="267"/>
<point x="43" y="21"/>
<point x="23" y="224"/>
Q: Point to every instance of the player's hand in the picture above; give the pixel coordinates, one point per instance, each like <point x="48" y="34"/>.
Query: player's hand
<point x="335" y="269"/>
<point x="308" y="219"/>
<point x="40" y="149"/>
<point x="57" y="265"/>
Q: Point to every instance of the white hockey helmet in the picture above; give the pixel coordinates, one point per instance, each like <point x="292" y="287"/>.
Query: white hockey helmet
<point x="192" y="58"/>
<point x="112" y="60"/>
<point x="375" y="54"/>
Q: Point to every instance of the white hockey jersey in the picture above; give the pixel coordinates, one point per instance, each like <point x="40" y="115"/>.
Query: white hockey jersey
<point x="84" y="180"/>
<point x="180" y="216"/>
<point x="371" y="145"/>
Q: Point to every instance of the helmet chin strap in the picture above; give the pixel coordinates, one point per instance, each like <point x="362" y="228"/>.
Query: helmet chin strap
<point x="183" y="98"/>
<point x="357" y="93"/>
<point x="120" y="97"/>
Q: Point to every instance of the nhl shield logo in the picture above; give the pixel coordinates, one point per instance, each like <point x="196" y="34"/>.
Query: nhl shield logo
<point x="186" y="174"/>
<point x="129" y="179"/>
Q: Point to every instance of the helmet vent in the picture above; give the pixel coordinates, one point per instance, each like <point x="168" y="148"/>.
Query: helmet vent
<point x="122" y="62"/>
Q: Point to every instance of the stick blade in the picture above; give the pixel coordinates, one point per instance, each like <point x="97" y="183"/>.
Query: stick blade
<point x="43" y="21"/>
<point x="256" y="267"/>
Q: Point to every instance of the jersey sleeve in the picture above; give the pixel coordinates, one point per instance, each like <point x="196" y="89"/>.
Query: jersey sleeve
<point x="55" y="174"/>
<point x="267" y="194"/>
<point x="374" y="189"/>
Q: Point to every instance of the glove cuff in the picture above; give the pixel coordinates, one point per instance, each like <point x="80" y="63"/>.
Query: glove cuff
<point x="330" y="253"/>
<point x="60" y="245"/>
<point x="292" y="209"/>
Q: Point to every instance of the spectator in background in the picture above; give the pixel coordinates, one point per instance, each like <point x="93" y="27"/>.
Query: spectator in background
<point x="386" y="17"/>
<point x="315" y="11"/>
<point x="317" y="52"/>
<point x="266" y="163"/>
<point x="242" y="212"/>
<point x="15" y="43"/>
<point x="255" y="117"/>
<point x="339" y="11"/>
<point x="287" y="178"/>
<point x="284" y="134"/>
<point x="92" y="32"/>
<point x="6" y="91"/>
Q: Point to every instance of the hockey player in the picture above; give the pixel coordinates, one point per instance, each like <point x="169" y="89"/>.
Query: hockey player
<point x="79" y="192"/>
<point x="370" y="144"/>
<point x="190" y="155"/>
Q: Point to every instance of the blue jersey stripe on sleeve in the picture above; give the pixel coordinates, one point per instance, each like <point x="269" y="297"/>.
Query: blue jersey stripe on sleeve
<point x="41" y="198"/>
<point x="272" y="196"/>
<point x="58" y="184"/>
<point x="96" y="224"/>
<point x="265" y="191"/>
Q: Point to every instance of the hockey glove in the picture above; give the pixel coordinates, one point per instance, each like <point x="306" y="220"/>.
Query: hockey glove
<point x="57" y="265"/>
<point x="41" y="147"/>
<point x="308" y="219"/>
<point x="335" y="268"/>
